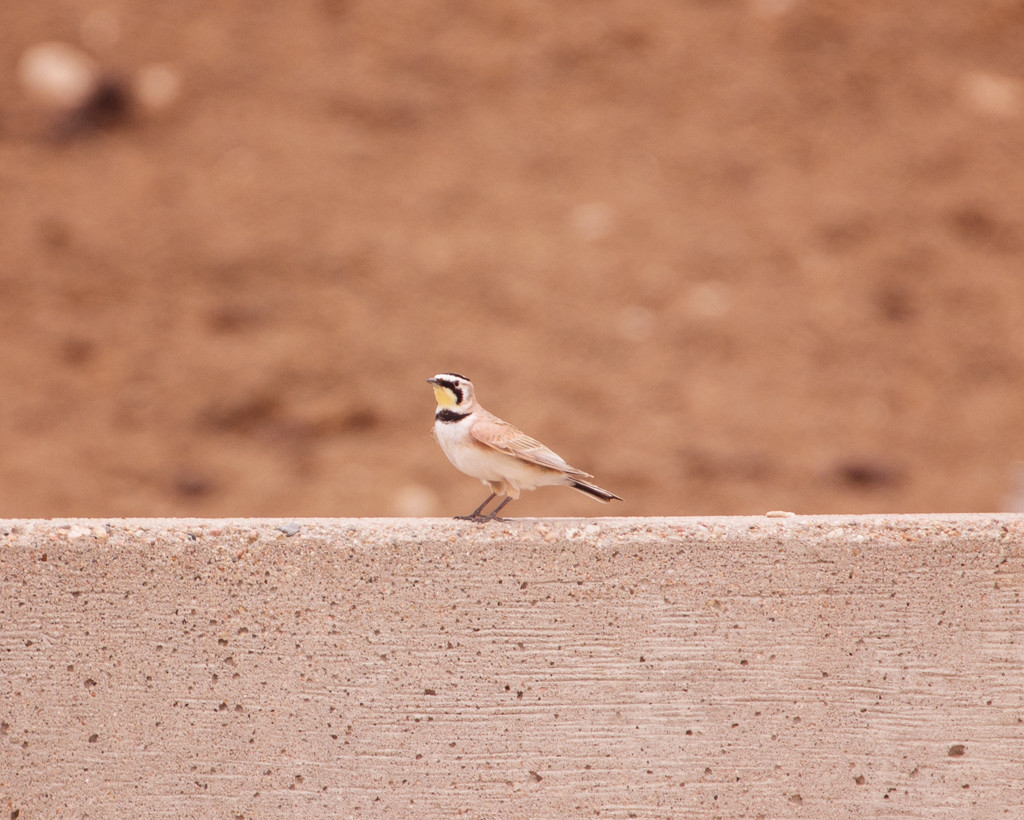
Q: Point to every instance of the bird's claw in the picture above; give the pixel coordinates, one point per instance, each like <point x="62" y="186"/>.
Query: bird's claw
<point x="477" y="518"/>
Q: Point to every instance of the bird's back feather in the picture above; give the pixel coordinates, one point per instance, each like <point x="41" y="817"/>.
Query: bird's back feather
<point x="506" y="438"/>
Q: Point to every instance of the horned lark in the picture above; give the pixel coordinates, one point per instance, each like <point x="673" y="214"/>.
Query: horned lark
<point x="501" y="456"/>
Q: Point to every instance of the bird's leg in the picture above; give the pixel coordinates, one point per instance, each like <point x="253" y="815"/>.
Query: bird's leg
<point x="475" y="515"/>
<point x="494" y="513"/>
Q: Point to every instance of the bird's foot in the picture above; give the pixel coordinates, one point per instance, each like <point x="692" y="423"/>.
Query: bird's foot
<point x="477" y="515"/>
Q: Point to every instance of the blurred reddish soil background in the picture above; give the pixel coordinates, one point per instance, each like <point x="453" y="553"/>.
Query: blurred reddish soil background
<point x="728" y="256"/>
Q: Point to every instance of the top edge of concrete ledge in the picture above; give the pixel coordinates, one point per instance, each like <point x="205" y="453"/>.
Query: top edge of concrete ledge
<point x="871" y="520"/>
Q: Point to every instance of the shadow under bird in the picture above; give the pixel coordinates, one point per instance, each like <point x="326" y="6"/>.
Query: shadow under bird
<point x="503" y="457"/>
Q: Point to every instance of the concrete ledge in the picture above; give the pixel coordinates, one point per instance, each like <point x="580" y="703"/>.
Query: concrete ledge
<point x="800" y="667"/>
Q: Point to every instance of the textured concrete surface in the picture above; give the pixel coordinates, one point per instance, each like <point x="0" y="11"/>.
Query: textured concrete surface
<point x="729" y="667"/>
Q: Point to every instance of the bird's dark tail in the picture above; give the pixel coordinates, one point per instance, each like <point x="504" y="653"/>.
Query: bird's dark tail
<point x="593" y="491"/>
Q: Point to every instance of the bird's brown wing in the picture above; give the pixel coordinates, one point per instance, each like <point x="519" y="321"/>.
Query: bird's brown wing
<point x="503" y="437"/>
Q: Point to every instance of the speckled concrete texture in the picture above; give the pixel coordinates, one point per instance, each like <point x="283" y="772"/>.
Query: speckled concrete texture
<point x="792" y="667"/>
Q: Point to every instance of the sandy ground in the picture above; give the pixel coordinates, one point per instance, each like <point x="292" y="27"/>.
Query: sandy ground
<point x="729" y="256"/>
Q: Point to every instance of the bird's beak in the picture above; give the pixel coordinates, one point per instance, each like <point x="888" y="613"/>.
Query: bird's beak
<point x="431" y="381"/>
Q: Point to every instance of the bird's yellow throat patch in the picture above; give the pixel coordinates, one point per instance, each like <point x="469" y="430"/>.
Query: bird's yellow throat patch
<point x="444" y="396"/>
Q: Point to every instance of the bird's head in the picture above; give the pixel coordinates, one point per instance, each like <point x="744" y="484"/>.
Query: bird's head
<point x="452" y="391"/>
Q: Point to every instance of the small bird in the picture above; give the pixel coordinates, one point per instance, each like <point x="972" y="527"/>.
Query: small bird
<point x="501" y="456"/>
